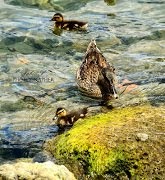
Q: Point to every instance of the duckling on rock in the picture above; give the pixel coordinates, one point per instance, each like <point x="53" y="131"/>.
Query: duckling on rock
<point x="96" y="77"/>
<point x="64" y="118"/>
<point x="60" y="23"/>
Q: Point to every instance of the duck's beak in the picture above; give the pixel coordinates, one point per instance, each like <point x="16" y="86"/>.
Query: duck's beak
<point x="55" y="118"/>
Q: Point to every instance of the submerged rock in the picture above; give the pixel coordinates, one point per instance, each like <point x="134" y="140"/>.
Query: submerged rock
<point x="147" y="46"/>
<point x="26" y="171"/>
<point x="28" y="102"/>
<point x="42" y="4"/>
<point x="43" y="156"/>
<point x="58" y="5"/>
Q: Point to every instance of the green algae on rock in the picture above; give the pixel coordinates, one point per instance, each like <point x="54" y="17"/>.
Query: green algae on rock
<point x="105" y="145"/>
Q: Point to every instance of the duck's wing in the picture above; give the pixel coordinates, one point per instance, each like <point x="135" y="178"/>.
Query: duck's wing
<point x="73" y="25"/>
<point x="106" y="82"/>
<point x="75" y="115"/>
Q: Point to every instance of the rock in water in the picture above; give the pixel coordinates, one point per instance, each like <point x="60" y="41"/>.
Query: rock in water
<point x="43" y="157"/>
<point x="26" y="170"/>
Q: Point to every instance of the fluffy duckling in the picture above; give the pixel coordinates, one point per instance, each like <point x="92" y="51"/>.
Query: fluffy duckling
<point x="64" y="118"/>
<point x="60" y="23"/>
<point x="96" y="77"/>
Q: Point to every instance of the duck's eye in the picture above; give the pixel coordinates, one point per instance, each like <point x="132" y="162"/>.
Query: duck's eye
<point x="59" y="112"/>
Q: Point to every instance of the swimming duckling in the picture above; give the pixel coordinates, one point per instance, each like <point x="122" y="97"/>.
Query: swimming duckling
<point x="64" y="118"/>
<point x="60" y="23"/>
<point x="96" y="77"/>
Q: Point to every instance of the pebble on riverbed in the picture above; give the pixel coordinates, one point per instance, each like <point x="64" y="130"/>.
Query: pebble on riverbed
<point x="141" y="137"/>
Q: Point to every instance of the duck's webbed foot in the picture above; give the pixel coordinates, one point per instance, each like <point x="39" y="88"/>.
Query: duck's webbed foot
<point x="106" y="104"/>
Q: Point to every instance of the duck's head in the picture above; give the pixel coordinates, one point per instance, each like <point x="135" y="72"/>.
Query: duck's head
<point x="106" y="83"/>
<point x="58" y="17"/>
<point x="60" y="112"/>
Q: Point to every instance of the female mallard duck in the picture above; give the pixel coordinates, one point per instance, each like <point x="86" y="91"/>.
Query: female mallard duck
<point x="96" y="77"/>
<point x="64" y="118"/>
<point x="60" y="23"/>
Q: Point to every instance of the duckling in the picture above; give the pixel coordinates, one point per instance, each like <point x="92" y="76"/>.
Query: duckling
<point x="96" y="77"/>
<point x="64" y="118"/>
<point x="60" y="23"/>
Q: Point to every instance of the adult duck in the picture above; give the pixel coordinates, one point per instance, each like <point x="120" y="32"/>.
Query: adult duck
<point x="96" y="77"/>
<point x="60" y="23"/>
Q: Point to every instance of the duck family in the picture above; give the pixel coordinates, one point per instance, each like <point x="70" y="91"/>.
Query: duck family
<point x="95" y="77"/>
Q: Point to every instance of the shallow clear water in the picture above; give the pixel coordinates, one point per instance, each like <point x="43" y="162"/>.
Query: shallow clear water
<point x="35" y="62"/>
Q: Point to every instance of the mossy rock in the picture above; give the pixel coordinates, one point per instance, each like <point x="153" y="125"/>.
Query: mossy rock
<point x="106" y="145"/>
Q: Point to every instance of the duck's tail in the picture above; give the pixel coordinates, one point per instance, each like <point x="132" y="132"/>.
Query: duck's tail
<point x="92" y="45"/>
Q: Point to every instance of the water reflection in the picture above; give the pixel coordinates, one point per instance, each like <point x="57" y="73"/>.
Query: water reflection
<point x="57" y="31"/>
